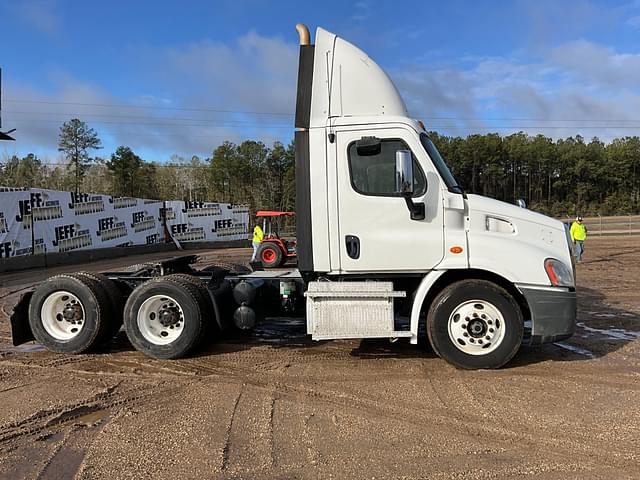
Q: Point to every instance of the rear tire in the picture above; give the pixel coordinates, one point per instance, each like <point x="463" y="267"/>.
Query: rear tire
<point x="475" y="324"/>
<point x="164" y="317"/>
<point x="115" y="298"/>
<point x="69" y="313"/>
<point x="209" y="324"/>
<point x="270" y="255"/>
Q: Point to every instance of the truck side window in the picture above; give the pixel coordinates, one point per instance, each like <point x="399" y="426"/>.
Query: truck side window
<point x="375" y="174"/>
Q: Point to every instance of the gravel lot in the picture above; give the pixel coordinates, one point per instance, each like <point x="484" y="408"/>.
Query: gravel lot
<point x="276" y="405"/>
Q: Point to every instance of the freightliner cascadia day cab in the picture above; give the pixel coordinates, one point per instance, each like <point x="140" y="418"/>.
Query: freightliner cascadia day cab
<point x="389" y="246"/>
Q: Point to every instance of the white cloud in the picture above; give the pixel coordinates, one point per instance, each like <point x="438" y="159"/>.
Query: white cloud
<point x="597" y="65"/>
<point x="252" y="74"/>
<point x="634" y="21"/>
<point x="580" y="87"/>
<point x="41" y="14"/>
<point x="255" y="73"/>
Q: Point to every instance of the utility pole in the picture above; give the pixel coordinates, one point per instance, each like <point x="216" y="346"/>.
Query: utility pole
<point x="3" y="135"/>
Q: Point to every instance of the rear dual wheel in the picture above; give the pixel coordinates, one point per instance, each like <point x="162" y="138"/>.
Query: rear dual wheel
<point x="73" y="313"/>
<point x="165" y="318"/>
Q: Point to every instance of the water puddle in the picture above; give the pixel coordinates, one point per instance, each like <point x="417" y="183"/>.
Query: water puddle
<point x="280" y="330"/>
<point x="93" y="418"/>
<point x="614" y="333"/>
<point x="610" y="315"/>
<point x="572" y="348"/>
<point x="28" y="348"/>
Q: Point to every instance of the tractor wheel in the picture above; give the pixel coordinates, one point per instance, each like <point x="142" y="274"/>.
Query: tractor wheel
<point x="270" y="255"/>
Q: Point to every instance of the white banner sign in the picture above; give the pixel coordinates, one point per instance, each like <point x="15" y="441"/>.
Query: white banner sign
<point x="204" y="221"/>
<point x="44" y="221"/>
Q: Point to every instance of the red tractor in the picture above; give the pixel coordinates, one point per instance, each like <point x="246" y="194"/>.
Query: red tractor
<point x="274" y="251"/>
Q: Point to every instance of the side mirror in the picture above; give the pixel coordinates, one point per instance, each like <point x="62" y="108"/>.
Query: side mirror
<point x="404" y="173"/>
<point x="404" y="183"/>
<point x="521" y="203"/>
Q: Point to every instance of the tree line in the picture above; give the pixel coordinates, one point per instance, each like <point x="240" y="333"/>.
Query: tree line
<point x="250" y="172"/>
<point x="560" y="177"/>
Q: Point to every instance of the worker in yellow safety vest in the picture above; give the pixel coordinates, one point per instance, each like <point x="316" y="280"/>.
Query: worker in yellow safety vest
<point x="578" y="235"/>
<point x="258" y="235"/>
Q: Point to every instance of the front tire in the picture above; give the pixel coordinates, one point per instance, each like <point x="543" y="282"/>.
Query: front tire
<point x="475" y="324"/>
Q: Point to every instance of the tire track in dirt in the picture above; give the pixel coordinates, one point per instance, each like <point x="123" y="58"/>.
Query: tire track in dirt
<point x="72" y="449"/>
<point x="46" y="420"/>
<point x="249" y="447"/>
<point x="227" y="439"/>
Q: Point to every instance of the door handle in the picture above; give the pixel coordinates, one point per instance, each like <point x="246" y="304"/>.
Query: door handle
<point x="353" y="246"/>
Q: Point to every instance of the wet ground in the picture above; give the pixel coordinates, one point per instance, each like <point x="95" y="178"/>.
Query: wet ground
<point x="275" y="405"/>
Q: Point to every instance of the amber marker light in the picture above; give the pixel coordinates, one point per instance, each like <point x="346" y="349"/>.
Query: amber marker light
<point x="456" y="249"/>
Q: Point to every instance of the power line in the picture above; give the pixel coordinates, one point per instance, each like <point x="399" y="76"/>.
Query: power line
<point x="204" y="123"/>
<point x="160" y="163"/>
<point x="244" y="112"/>
<point x="509" y="127"/>
<point x="122" y="105"/>
<point x="110" y="115"/>
<point x="180" y="119"/>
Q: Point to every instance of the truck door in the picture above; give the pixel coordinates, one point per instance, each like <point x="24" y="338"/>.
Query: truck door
<point x="376" y="231"/>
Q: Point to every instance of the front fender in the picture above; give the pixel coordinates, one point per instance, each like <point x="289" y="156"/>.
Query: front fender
<point x="421" y="293"/>
<point x="20" y="328"/>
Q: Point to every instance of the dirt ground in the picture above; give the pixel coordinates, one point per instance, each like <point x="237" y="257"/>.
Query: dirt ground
<point x="277" y="405"/>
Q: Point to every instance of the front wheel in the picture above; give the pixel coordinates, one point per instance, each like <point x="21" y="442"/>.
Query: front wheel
<point x="475" y="324"/>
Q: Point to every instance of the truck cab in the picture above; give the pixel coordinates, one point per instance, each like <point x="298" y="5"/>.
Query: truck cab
<point x="377" y="202"/>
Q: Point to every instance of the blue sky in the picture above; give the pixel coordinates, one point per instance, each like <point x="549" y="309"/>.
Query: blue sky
<point x="170" y="78"/>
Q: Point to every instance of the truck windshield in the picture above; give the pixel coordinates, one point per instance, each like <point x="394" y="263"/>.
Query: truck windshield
<point x="440" y="164"/>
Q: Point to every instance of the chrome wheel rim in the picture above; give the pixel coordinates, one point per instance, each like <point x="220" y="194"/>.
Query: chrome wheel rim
<point x="160" y="319"/>
<point x="476" y="327"/>
<point x="62" y="315"/>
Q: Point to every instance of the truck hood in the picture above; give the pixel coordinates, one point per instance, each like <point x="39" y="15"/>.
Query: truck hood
<point x="480" y="204"/>
<point x="514" y="242"/>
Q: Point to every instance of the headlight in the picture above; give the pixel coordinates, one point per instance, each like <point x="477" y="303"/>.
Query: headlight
<point x="559" y="274"/>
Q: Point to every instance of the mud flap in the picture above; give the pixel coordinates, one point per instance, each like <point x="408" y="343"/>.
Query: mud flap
<point x="20" y="329"/>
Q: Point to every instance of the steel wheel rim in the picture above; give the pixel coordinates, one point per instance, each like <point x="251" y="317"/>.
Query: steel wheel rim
<point x="476" y="327"/>
<point x="268" y="255"/>
<point x="62" y="315"/>
<point x="160" y="319"/>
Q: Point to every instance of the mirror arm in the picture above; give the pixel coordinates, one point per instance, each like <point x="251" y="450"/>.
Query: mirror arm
<point x="416" y="209"/>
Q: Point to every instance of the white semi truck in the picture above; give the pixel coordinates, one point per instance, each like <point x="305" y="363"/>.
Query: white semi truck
<point x="389" y="246"/>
